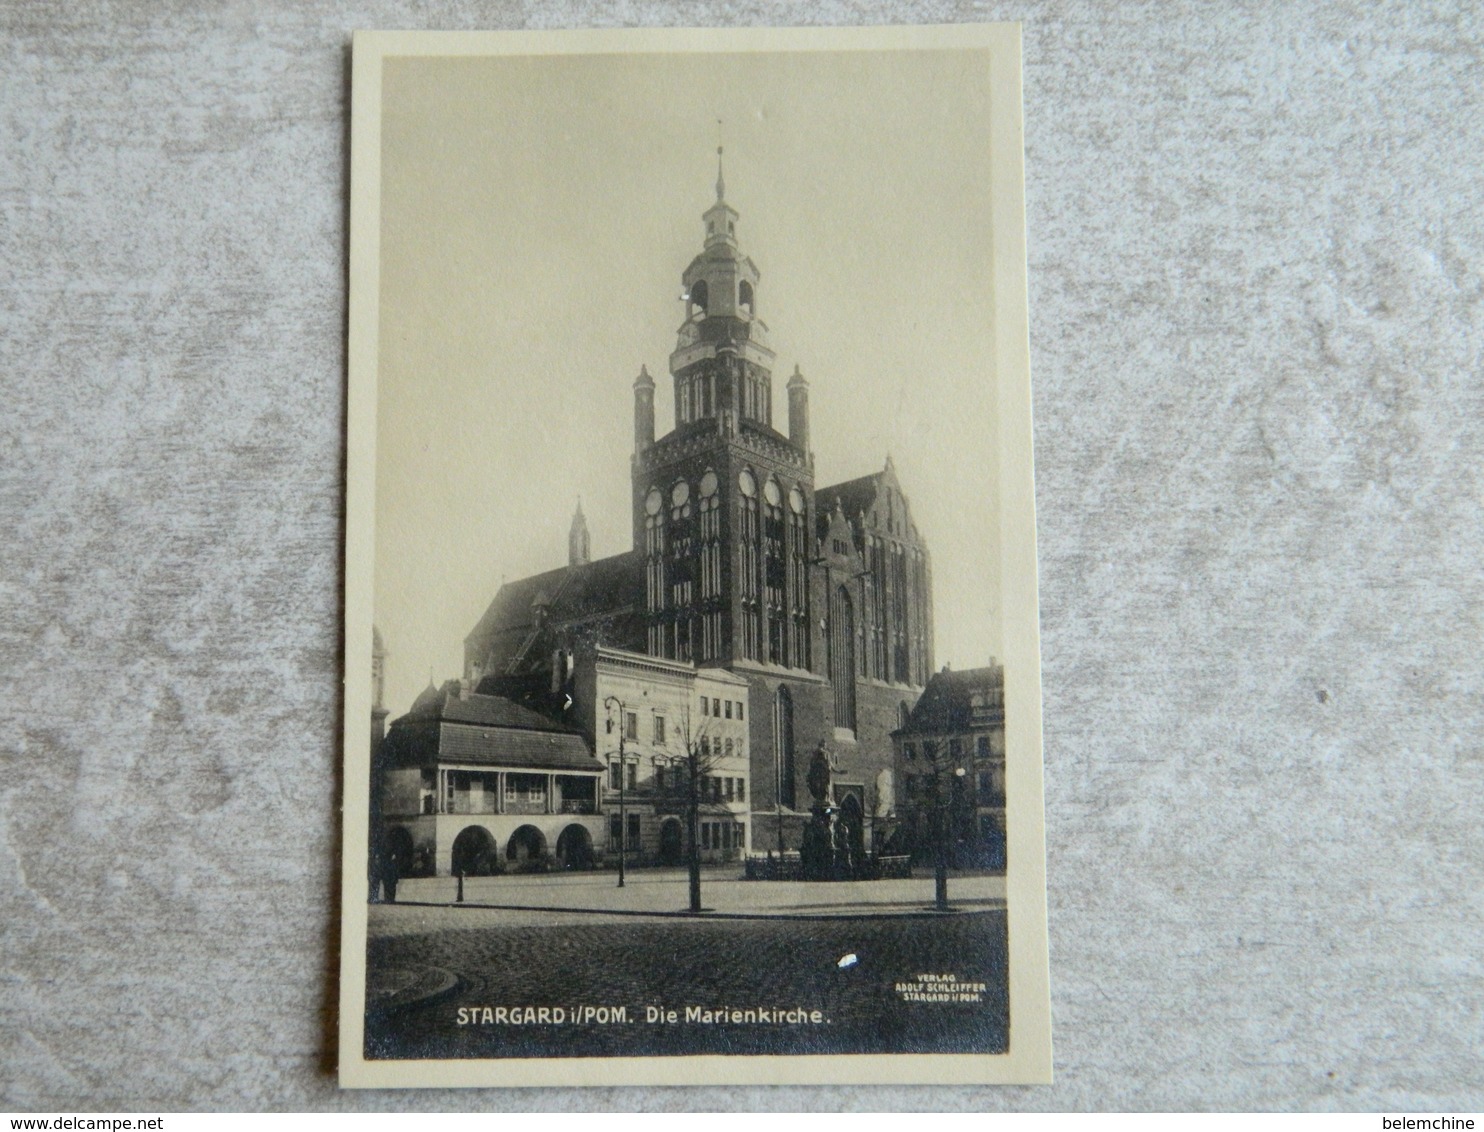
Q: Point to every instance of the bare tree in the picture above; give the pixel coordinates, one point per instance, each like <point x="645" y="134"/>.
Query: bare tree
<point x="693" y="770"/>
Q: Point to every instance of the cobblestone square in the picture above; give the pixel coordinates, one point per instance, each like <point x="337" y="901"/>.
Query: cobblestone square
<point x="573" y="964"/>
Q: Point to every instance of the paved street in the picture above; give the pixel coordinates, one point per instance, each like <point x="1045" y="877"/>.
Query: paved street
<point x="564" y="962"/>
<point x="665" y="891"/>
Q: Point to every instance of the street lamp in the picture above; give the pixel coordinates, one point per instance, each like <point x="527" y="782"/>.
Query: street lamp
<point x="941" y="804"/>
<point x="623" y="774"/>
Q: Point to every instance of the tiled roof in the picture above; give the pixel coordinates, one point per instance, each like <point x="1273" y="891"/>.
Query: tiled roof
<point x="875" y="497"/>
<point x="511" y="607"/>
<point x="529" y="690"/>
<point x="484" y="729"/>
<point x="854" y="496"/>
<point x="947" y="703"/>
<point x="494" y="711"/>
<point x="498" y="746"/>
<point x="602" y="600"/>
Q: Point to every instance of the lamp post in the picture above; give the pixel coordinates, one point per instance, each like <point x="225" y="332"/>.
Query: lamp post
<point x="942" y="806"/>
<point x="623" y="774"/>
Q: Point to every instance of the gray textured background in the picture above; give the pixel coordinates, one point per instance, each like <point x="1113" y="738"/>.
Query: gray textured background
<point x="1256" y="324"/>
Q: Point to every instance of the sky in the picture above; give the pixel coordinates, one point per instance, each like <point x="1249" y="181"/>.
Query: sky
<point x="536" y="215"/>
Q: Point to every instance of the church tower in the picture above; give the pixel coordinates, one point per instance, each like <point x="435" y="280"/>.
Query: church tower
<point x="818" y="596"/>
<point x="724" y="503"/>
<point x="722" y="365"/>
<point x="579" y="545"/>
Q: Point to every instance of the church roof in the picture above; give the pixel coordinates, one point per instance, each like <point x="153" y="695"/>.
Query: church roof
<point x="565" y="592"/>
<point x="592" y="591"/>
<point x="956" y="701"/>
<point x="878" y="497"/>
<point x="854" y="496"/>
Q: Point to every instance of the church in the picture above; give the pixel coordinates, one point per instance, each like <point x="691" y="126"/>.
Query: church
<point x="818" y="598"/>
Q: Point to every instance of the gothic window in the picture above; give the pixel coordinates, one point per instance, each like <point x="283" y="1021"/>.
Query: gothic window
<point x="773" y="568"/>
<point x="709" y="554"/>
<point x="901" y="602"/>
<point x="919" y="620"/>
<point x="842" y="657"/>
<point x="654" y="566"/>
<point x="678" y="578"/>
<point x="783" y="746"/>
<point x="798" y="584"/>
<point x="747" y="565"/>
<point x="881" y="627"/>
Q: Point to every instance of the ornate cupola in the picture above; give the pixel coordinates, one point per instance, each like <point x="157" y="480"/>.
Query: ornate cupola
<point x="721" y="218"/>
<point x="722" y="364"/>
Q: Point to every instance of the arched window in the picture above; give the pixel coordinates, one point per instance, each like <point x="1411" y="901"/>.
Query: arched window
<point x="842" y="657"/>
<point x="783" y="746"/>
<point x="699" y="295"/>
<point x="773" y="570"/>
<point x="744" y="295"/>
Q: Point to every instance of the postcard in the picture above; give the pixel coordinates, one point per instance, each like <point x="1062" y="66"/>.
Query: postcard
<point x="692" y="695"/>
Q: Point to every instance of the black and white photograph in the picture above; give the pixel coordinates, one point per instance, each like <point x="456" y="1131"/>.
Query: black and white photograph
<point x="683" y="557"/>
<point x="688" y="671"/>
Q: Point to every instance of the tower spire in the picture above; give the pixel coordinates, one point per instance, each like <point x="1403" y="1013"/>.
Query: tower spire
<point x="579" y="545"/>
<point x="721" y="183"/>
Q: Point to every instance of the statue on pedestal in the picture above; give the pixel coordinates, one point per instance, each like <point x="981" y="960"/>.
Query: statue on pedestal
<point x="819" y="853"/>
